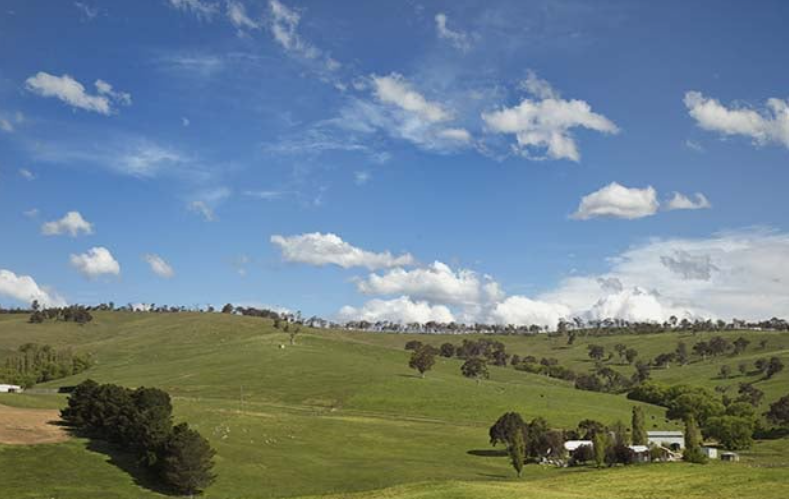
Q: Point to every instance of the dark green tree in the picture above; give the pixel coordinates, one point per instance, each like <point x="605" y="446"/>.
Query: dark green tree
<point x="779" y="412"/>
<point x="639" y="427"/>
<point x="600" y="442"/>
<point x="693" y="452"/>
<point x="596" y="352"/>
<point x="517" y="452"/>
<point x="447" y="350"/>
<point x="187" y="461"/>
<point x="423" y="360"/>
<point x="774" y="366"/>
<point x="505" y="428"/>
<point x="475" y="368"/>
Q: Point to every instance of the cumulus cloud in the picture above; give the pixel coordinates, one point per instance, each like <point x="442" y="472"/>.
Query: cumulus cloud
<point x="520" y="310"/>
<point x="159" y="266"/>
<point x="24" y="289"/>
<point x="690" y="266"/>
<point x="72" y="224"/>
<point x="73" y="93"/>
<point x="96" y="262"/>
<point x="615" y="200"/>
<point x="457" y="39"/>
<point x="401" y="309"/>
<point x="437" y="283"/>
<point x="770" y="125"/>
<point x="681" y="202"/>
<point x="636" y="305"/>
<point x="324" y="249"/>
<point x="200" y="8"/>
<point x="544" y="125"/>
<point x="732" y="274"/>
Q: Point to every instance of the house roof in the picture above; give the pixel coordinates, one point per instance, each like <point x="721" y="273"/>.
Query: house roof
<point x="571" y="445"/>
<point x="638" y="448"/>
<point x="665" y="433"/>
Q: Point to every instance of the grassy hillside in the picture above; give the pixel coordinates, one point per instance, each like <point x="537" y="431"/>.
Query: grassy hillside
<point x="339" y="412"/>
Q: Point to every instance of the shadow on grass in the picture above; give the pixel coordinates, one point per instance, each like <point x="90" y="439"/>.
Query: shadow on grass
<point x="123" y="460"/>
<point x="487" y="452"/>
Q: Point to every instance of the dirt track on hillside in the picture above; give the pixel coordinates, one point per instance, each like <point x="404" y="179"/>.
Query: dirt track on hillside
<point x="30" y="426"/>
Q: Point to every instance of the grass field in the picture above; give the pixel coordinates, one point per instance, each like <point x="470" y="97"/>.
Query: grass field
<point x="341" y="413"/>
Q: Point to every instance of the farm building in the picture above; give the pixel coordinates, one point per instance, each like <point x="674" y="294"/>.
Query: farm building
<point x="730" y="456"/>
<point x="640" y="453"/>
<point x="571" y="445"/>
<point x="10" y="388"/>
<point x="673" y="440"/>
<point x="710" y="452"/>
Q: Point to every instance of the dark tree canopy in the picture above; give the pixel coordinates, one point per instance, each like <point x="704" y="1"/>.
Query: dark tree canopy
<point x="505" y="428"/>
<point x="423" y="359"/>
<point x="188" y="462"/>
<point x="475" y="368"/>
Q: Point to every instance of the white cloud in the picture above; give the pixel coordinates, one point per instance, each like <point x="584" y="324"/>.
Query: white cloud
<point x="72" y="224"/>
<point x="732" y="274"/>
<point x="284" y="24"/>
<point x="546" y="123"/>
<point x="89" y="13"/>
<point x="770" y="125"/>
<point x="70" y="91"/>
<point x="205" y="202"/>
<point x="437" y="283"/>
<point x="635" y="304"/>
<point x="105" y="88"/>
<point x="237" y="14"/>
<point x="6" y="125"/>
<point x="96" y="262"/>
<point x="27" y="174"/>
<point x="458" y="39"/>
<point x="459" y="134"/>
<point x="617" y="201"/>
<point x="159" y="266"/>
<point x="395" y="90"/>
<point x="31" y="213"/>
<point x="538" y="87"/>
<point x="681" y="202"/>
<point x="24" y="288"/>
<point x="146" y="159"/>
<point x="400" y="309"/>
<point x="520" y="310"/>
<point x="323" y="249"/>
<point x="200" y="8"/>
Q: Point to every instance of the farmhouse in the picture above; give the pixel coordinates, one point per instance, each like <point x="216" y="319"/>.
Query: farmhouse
<point x="572" y="445"/>
<point x="10" y="388"/>
<point x="730" y="456"/>
<point x="673" y="440"/>
<point x="710" y="452"/>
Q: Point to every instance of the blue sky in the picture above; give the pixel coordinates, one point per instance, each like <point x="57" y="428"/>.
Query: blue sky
<point x="150" y="151"/>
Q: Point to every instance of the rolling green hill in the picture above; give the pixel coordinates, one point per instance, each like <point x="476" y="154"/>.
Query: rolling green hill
<point x="340" y="411"/>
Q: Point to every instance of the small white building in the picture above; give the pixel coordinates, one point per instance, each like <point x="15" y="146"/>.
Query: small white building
<point x="710" y="452"/>
<point x="572" y="445"/>
<point x="669" y="439"/>
<point x="10" y="388"/>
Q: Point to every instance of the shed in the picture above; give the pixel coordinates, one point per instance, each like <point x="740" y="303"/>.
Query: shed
<point x="640" y="453"/>
<point x="10" y="388"/>
<point x="572" y="445"/>
<point x="730" y="456"/>
<point x="710" y="452"/>
<point x="674" y="440"/>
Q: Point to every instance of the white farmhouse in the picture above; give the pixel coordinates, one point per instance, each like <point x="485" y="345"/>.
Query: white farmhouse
<point x="673" y="440"/>
<point x="572" y="445"/>
<point x="10" y="388"/>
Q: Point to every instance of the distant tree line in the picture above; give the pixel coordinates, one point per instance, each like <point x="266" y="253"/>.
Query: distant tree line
<point x="34" y="363"/>
<point x="73" y="313"/>
<point x="140" y="421"/>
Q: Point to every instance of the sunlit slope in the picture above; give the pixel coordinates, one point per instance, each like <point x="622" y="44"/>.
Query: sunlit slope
<point x="339" y="412"/>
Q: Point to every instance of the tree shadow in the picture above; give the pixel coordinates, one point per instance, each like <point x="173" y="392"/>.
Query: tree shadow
<point x="491" y="475"/>
<point x="410" y="376"/>
<point x="124" y="460"/>
<point x="487" y="452"/>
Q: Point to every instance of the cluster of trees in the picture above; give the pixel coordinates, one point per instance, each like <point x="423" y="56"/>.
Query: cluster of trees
<point x="475" y="353"/>
<point x="535" y="441"/>
<point x="34" y="363"/>
<point x="573" y="328"/>
<point x="732" y="421"/>
<point x="73" y="313"/>
<point x="140" y="421"/>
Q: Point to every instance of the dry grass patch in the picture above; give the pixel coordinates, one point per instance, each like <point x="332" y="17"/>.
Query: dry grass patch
<point x="30" y="426"/>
